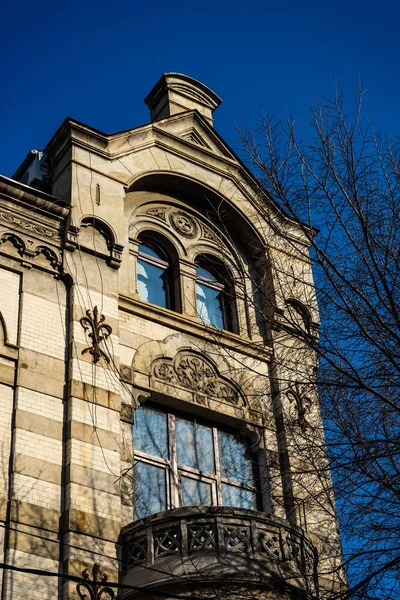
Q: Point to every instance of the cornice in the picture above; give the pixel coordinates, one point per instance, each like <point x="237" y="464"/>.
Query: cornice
<point x="32" y="199"/>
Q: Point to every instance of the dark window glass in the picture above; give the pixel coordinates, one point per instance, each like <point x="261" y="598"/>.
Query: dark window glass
<point x="195" y="492"/>
<point x="152" y="275"/>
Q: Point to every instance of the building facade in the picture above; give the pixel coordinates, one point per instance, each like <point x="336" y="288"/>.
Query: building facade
<point x="157" y="408"/>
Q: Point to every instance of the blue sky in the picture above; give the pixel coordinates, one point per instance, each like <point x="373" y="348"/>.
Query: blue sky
<point x="96" y="61"/>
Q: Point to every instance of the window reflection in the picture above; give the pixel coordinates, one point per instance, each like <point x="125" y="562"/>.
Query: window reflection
<point x="194" y="445"/>
<point x="150" y="494"/>
<point x="213" y="305"/>
<point x="152" y="275"/>
<point x="178" y="457"/>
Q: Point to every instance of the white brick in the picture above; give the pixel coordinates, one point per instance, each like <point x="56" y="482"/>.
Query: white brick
<point x="36" y="491"/>
<point x="38" y="446"/>
<point x="86" y="412"/>
<point x="87" y="372"/>
<point x="43" y="326"/>
<point x="93" y="457"/>
<point x="40" y="404"/>
<point x="92" y="501"/>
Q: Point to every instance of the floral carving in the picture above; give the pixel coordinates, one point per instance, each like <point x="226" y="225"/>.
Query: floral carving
<point x="298" y="396"/>
<point x="208" y="234"/>
<point x="25" y="224"/>
<point x="184" y="224"/>
<point x="196" y="373"/>
<point x="157" y="212"/>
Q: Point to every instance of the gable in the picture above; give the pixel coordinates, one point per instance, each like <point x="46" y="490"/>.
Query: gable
<point x="191" y="127"/>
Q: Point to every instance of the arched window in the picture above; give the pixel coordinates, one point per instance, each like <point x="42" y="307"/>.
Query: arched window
<point x="214" y="297"/>
<point x="180" y="461"/>
<point x="153" y="274"/>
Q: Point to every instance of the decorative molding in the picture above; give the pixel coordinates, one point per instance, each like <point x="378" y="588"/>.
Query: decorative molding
<point x="198" y="374"/>
<point x="184" y="224"/>
<point x="99" y="332"/>
<point x="208" y="234"/>
<point x="25" y="224"/>
<point x="127" y="412"/>
<point x="301" y="401"/>
<point x="157" y="213"/>
<point x="126" y="373"/>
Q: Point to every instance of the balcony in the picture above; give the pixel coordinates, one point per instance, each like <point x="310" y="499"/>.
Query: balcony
<point x="200" y="548"/>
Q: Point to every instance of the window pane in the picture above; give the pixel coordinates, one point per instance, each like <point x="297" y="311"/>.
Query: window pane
<point x="194" y="445"/>
<point x="150" y="283"/>
<point x="205" y="274"/>
<point x="150" y="490"/>
<point x="236" y="496"/>
<point x="235" y="459"/>
<point x="208" y="304"/>
<point x="149" y="251"/>
<point x="195" y="493"/>
<point x="150" y="432"/>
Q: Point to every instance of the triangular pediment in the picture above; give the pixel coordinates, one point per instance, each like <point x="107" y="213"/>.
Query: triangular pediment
<point x="193" y="128"/>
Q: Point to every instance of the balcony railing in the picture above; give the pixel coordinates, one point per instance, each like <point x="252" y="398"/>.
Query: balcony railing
<point x="216" y="545"/>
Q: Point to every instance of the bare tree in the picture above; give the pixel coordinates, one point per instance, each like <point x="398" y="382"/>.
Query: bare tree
<point x="343" y="186"/>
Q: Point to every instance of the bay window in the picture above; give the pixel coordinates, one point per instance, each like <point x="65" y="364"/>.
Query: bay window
<point x="182" y="462"/>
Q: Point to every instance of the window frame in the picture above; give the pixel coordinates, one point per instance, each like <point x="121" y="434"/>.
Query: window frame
<point x="225" y="288"/>
<point x="174" y="470"/>
<point x="162" y="263"/>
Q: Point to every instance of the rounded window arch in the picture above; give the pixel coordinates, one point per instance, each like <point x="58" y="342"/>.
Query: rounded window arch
<point x="154" y="273"/>
<point x="215" y="298"/>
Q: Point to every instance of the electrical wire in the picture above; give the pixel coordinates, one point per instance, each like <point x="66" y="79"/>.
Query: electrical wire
<point x="111" y="584"/>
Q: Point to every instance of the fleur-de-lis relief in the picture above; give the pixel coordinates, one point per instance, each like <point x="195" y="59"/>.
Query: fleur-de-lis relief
<point x="302" y="404"/>
<point x="95" y="588"/>
<point x="99" y="331"/>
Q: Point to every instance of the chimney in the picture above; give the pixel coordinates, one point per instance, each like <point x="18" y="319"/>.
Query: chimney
<point x="175" y="93"/>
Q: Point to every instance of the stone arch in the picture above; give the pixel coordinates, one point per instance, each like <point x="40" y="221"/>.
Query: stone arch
<point x="200" y="196"/>
<point x="298" y="314"/>
<point x="49" y="255"/>
<point x="109" y="248"/>
<point x="15" y="240"/>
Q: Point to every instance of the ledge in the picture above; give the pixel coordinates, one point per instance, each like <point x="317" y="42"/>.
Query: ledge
<point x="217" y="546"/>
<point x="193" y="326"/>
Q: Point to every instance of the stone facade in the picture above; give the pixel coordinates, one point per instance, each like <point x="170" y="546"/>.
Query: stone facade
<point x="81" y="351"/>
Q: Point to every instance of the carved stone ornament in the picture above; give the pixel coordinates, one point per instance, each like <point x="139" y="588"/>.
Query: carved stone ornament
<point x="99" y="332"/>
<point x="184" y="224"/>
<point x="198" y="374"/>
<point x="158" y="212"/>
<point x="25" y="224"/>
<point x="298" y="396"/>
<point x="208" y="234"/>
